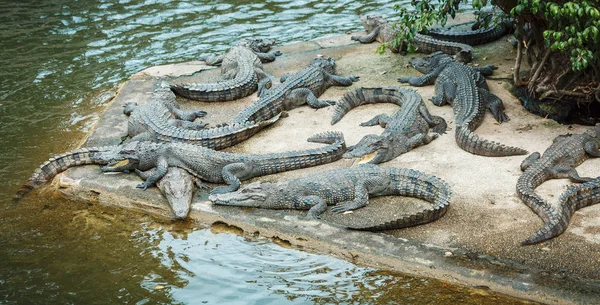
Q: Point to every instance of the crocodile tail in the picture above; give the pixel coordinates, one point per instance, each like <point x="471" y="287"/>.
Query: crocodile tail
<point x="221" y="137"/>
<point x="526" y="185"/>
<point x="575" y="198"/>
<point x="363" y="96"/>
<point x="413" y="183"/>
<point x="244" y="84"/>
<point x="471" y="142"/>
<point x="328" y="137"/>
<point x="549" y="230"/>
<point x="58" y="164"/>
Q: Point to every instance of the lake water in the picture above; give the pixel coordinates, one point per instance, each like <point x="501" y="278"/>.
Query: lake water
<point x="61" y="61"/>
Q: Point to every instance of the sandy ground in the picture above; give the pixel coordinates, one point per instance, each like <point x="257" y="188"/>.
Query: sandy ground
<point x="477" y="242"/>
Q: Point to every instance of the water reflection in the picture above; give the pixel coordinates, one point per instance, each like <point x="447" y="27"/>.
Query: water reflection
<point x="58" y="54"/>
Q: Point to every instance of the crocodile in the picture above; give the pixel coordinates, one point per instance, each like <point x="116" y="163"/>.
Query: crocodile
<point x="466" y="90"/>
<point x="242" y="69"/>
<point x="296" y="89"/>
<point x="176" y="186"/>
<point x="558" y="161"/>
<point x="348" y="189"/>
<point x="379" y="29"/>
<point x="474" y="37"/>
<point x="154" y="121"/>
<point x="152" y="160"/>
<point x="406" y="129"/>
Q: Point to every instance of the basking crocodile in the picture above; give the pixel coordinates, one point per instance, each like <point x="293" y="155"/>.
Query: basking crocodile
<point x="154" y="122"/>
<point x="379" y="29"/>
<point x="242" y="69"/>
<point x="474" y="37"/>
<point x="296" y="89"/>
<point x="349" y="188"/>
<point x="466" y="90"/>
<point x="558" y="161"/>
<point x="152" y="160"/>
<point x="406" y="129"/>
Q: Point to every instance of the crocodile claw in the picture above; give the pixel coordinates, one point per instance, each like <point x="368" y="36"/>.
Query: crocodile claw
<point x="221" y="190"/>
<point x="144" y="186"/>
<point x="277" y="53"/>
<point x="404" y="79"/>
<point x="344" y="207"/>
<point x="200" y="113"/>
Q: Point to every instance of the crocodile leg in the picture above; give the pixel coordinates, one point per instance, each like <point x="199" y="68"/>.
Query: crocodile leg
<point x="304" y="95"/>
<point x="211" y="60"/>
<point x="232" y="173"/>
<point x="564" y="171"/>
<point x="155" y="174"/>
<point x="380" y="119"/>
<point x="336" y="80"/>
<point x="494" y="104"/>
<point x="445" y="93"/>
<point x="187" y="115"/>
<point x="362" y="190"/>
<point x="265" y="81"/>
<point x="436" y="123"/>
<point x="187" y="125"/>
<point x="591" y="148"/>
<point x="486" y="70"/>
<point x="369" y="37"/>
<point x="316" y="205"/>
<point x="268" y="57"/>
<point x="421" y="139"/>
<point x="424" y="80"/>
<point x="529" y="160"/>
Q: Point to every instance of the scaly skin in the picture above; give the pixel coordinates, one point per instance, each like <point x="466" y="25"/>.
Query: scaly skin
<point x="466" y="90"/>
<point x="350" y="189"/>
<point x="154" y="122"/>
<point x="406" y="129"/>
<point x="241" y="68"/>
<point x="379" y="29"/>
<point x="558" y="161"/>
<point x="60" y="163"/>
<point x="474" y="37"/>
<point x="297" y="89"/>
<point x="152" y="160"/>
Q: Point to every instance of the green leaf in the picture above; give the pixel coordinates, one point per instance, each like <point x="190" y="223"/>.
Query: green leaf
<point x="519" y="8"/>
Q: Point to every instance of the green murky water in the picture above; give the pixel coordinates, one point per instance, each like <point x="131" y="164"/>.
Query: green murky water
<point x="61" y="61"/>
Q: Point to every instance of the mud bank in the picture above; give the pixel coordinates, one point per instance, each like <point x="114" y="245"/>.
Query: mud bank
<point x="476" y="243"/>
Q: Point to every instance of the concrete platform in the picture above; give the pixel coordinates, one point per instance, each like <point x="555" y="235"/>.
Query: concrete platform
<point x="476" y="243"/>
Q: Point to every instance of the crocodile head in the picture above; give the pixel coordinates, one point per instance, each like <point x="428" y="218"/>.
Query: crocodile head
<point x="325" y="63"/>
<point x="256" y="194"/>
<point x="389" y="148"/>
<point x="371" y="22"/>
<point x="257" y="44"/>
<point x="123" y="158"/>
<point x="430" y="62"/>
